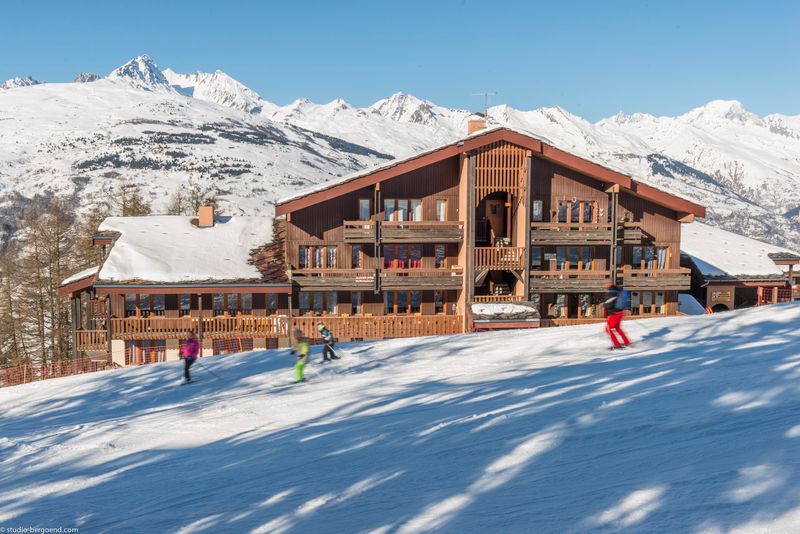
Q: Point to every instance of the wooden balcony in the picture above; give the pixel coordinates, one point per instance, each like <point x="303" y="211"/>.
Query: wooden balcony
<point x="558" y="281"/>
<point x="359" y="231"/>
<point x="422" y="232"/>
<point x="630" y="233"/>
<point x="497" y="298"/>
<point x="422" y="278"/>
<point x="91" y="340"/>
<point x="335" y="279"/>
<point x="384" y="326"/>
<point x="500" y="258"/>
<point x="655" y="279"/>
<point x="555" y="233"/>
<point x="213" y="327"/>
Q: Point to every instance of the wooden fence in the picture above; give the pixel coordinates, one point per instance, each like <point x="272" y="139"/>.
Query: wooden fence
<point x="503" y="258"/>
<point x="384" y="326"/>
<point x="22" y="374"/>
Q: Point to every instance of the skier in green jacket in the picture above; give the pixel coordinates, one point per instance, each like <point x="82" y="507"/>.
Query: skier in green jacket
<point x="301" y="351"/>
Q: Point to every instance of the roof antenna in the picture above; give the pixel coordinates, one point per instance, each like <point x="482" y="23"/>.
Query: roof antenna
<point x="486" y="98"/>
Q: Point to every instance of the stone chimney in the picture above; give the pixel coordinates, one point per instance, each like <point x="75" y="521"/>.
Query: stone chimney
<point x="476" y="122"/>
<point x="205" y="216"/>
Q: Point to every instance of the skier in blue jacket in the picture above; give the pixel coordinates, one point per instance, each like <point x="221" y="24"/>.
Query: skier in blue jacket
<point x="327" y="337"/>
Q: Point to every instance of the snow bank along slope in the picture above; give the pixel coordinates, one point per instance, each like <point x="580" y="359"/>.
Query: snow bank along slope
<point x="697" y="429"/>
<point x="170" y="249"/>
<point x="717" y="252"/>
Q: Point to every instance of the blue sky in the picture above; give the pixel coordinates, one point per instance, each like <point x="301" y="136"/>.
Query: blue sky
<point x="593" y="58"/>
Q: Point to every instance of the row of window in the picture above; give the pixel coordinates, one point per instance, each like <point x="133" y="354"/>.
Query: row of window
<point x="573" y="257"/>
<point x="394" y="303"/>
<point x="401" y="209"/>
<point x="394" y="257"/>
<point x="145" y="305"/>
<point x="589" y="305"/>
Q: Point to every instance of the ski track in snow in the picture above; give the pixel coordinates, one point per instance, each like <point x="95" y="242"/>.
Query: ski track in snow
<point x="693" y="430"/>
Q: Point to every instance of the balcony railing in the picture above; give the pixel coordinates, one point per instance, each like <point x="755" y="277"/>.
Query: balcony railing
<point x="497" y="298"/>
<point x="630" y="233"/>
<point x="359" y="231"/>
<point x="91" y="340"/>
<point x="383" y="326"/>
<point x="555" y="233"/>
<point x="213" y="327"/>
<point x="655" y="279"/>
<point x="499" y="258"/>
<point x="451" y="278"/>
<point x="339" y="279"/>
<point x="572" y="280"/>
<point x="422" y="231"/>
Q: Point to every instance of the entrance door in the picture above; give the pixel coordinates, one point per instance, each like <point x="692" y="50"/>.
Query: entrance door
<point x="496" y="215"/>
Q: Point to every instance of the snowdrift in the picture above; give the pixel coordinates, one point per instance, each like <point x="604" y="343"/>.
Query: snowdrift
<point x="697" y="429"/>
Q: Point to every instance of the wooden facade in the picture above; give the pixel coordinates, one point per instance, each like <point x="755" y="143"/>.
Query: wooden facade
<point x="509" y="219"/>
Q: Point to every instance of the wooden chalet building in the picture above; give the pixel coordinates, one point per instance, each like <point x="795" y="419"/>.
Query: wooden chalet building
<point x="161" y="276"/>
<point x="496" y="219"/>
<point x="731" y="271"/>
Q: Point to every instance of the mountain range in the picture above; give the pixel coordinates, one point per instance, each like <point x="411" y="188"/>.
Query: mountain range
<point x="159" y="128"/>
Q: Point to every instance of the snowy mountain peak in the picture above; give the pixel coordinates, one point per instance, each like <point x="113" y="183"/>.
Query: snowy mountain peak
<point x="402" y="107"/>
<point x="19" y="82"/>
<point x="141" y="72"/>
<point x="722" y="109"/>
<point x="85" y="77"/>
<point x="216" y="87"/>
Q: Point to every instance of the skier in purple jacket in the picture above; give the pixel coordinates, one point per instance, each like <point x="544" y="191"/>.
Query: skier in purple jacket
<point x="189" y="353"/>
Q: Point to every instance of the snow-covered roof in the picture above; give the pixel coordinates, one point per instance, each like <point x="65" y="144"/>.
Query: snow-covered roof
<point x="170" y="249"/>
<point x="392" y="163"/>
<point x="722" y="254"/>
<point x="91" y="271"/>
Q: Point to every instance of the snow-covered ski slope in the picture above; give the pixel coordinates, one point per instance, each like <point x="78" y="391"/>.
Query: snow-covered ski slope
<point x="695" y="430"/>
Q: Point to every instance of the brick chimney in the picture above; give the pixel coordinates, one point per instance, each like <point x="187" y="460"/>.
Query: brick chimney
<point x="476" y="122"/>
<point x="205" y="216"/>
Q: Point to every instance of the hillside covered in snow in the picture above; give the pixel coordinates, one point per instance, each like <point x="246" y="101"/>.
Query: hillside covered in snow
<point x="159" y="128"/>
<point x="695" y="429"/>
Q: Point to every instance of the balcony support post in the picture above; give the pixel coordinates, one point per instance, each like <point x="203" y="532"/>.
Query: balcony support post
<point x="469" y="230"/>
<point x="200" y="321"/>
<point x="528" y="200"/>
<point x="612" y="260"/>
<point x="108" y="323"/>
<point x="75" y="312"/>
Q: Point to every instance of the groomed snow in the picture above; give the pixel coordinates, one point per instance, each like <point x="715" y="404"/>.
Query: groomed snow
<point x="717" y="252"/>
<point x="695" y="429"/>
<point x="169" y="249"/>
<point x="80" y="275"/>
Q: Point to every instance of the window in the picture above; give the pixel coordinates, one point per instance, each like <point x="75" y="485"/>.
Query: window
<point x="635" y="301"/>
<point x="619" y="256"/>
<point x="588" y="212"/>
<point x="574" y="257"/>
<point x="536" y="211"/>
<point x="637" y="257"/>
<point x="185" y="304"/>
<point x="389" y="257"/>
<point x="402" y="210"/>
<point x="586" y="257"/>
<point x="663" y="254"/>
<point x="319" y="257"/>
<point x="536" y="300"/>
<point x="158" y="305"/>
<point x="536" y="258"/>
<point x="441" y="210"/>
<point x="355" y="301"/>
<point x="130" y="305"/>
<point x="144" y="305"/>
<point x="330" y="302"/>
<point x="402" y="256"/>
<point x="402" y="302"/>
<point x="562" y="211"/>
<point x="650" y="257"/>
<point x="388" y="209"/>
<point x="440" y="258"/>
<point x="438" y="302"/>
<point x="219" y="304"/>
<point x="272" y="303"/>
<point x="331" y="252"/>
<point x="575" y="212"/>
<point x="416" y="210"/>
<point x="357" y="257"/>
<point x="560" y="306"/>
<point x="586" y="306"/>
<point x="561" y="258"/>
<point x="660" y="308"/>
<point x="416" y="257"/>
<point x="304" y="257"/>
<point x="319" y="302"/>
<point x="364" y="209"/>
<point x="305" y="302"/>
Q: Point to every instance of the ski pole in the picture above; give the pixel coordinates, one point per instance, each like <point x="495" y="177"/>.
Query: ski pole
<point x="209" y="370"/>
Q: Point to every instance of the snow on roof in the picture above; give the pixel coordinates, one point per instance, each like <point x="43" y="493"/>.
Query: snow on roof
<point x="80" y="275"/>
<point x="170" y="249"/>
<point x="719" y="253"/>
<point x="688" y="304"/>
<point x="350" y="177"/>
